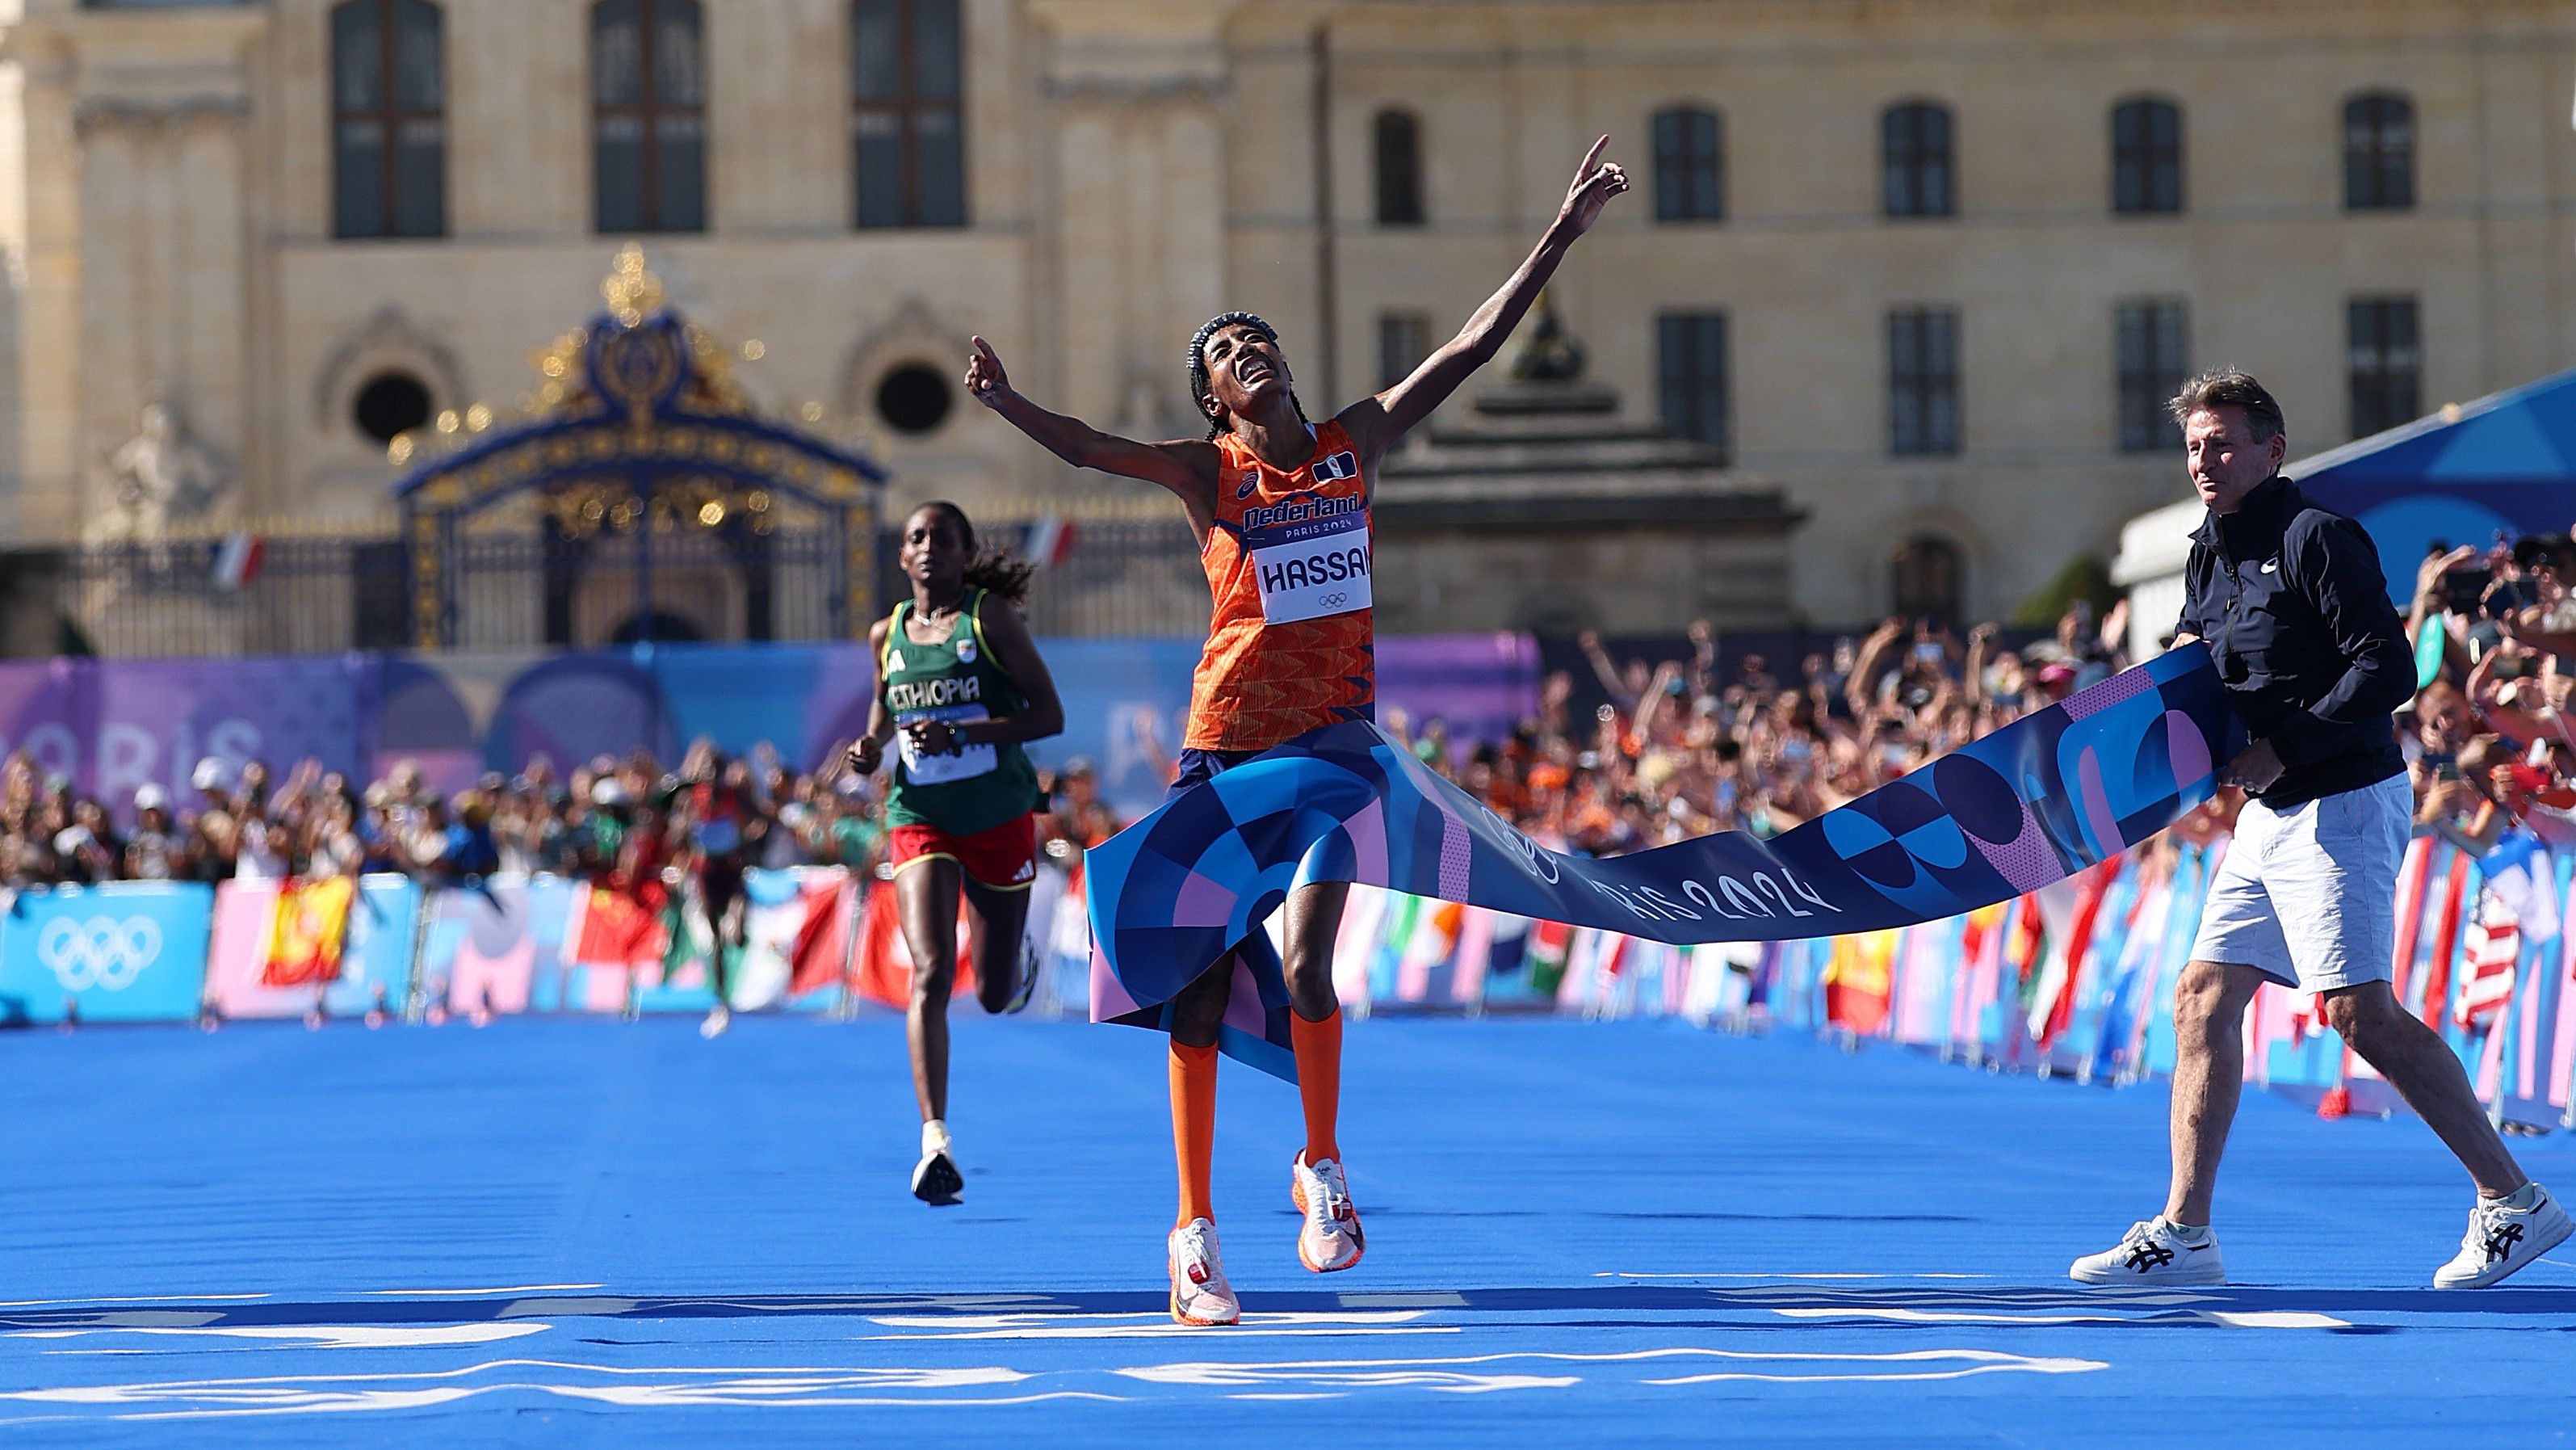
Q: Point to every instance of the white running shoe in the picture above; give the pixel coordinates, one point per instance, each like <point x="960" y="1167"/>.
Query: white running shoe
<point x="2151" y="1254"/>
<point x="716" y="1023"/>
<point x="1330" y="1237"/>
<point x="2502" y="1241"/>
<point x="1200" y="1294"/>
<point x="936" y="1179"/>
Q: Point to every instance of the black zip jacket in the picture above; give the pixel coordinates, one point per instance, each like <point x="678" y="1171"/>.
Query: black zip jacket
<point x="2290" y="597"/>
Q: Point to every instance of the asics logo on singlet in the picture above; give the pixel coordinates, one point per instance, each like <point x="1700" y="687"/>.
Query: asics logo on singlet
<point x="1336" y="466"/>
<point x="100" y="952"/>
<point x="1314" y="569"/>
<point x="906" y="695"/>
<point x="1251" y="485"/>
<point x="1300" y="508"/>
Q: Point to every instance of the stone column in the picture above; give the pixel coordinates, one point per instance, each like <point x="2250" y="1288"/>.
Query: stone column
<point x="134" y="238"/>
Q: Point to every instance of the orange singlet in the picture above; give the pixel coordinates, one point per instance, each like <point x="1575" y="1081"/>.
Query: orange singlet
<point x="1290" y="645"/>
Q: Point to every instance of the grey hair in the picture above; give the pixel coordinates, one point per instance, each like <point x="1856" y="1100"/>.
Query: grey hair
<point x="2230" y="388"/>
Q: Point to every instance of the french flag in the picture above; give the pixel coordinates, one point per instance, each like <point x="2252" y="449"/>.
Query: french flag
<point x="237" y="560"/>
<point x="1049" y="541"/>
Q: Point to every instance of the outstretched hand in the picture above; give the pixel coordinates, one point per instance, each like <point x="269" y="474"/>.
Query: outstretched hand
<point x="984" y="376"/>
<point x="1594" y="184"/>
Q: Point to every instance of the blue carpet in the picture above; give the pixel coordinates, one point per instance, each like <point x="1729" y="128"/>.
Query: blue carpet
<point x="575" y="1231"/>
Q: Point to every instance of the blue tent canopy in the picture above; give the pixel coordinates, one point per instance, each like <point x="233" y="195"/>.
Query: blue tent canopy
<point x="2503" y="464"/>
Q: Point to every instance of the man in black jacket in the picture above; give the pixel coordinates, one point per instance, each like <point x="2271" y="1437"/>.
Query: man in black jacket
<point x="2290" y="599"/>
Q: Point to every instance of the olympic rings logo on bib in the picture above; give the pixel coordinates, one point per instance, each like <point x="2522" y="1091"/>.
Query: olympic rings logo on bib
<point x="101" y="952"/>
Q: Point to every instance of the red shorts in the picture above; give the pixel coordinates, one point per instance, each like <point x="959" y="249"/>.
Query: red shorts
<point x="1002" y="858"/>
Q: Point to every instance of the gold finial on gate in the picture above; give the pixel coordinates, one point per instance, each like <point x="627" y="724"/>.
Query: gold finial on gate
<point x="632" y="289"/>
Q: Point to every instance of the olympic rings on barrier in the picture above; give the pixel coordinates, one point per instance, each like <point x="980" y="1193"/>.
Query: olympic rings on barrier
<point x="100" y="952"/>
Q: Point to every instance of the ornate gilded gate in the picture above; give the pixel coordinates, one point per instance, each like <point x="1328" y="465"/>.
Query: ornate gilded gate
<point x="646" y="498"/>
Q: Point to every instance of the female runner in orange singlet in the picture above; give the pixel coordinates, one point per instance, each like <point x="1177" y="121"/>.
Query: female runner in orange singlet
<point x="1281" y="510"/>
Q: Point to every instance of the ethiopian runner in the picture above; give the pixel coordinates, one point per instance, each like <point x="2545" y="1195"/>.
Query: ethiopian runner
<point x="960" y="686"/>
<point x="1281" y="509"/>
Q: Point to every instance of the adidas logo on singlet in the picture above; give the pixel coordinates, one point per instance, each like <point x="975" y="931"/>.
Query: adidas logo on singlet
<point x="894" y="661"/>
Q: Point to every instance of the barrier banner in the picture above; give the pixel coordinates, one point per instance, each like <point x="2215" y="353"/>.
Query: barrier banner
<point x="2044" y="797"/>
<point x="128" y="951"/>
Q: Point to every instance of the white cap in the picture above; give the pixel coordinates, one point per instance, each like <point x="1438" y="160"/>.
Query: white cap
<point x="150" y="797"/>
<point x="212" y="775"/>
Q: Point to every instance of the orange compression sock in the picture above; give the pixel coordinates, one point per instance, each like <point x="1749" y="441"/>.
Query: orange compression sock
<point x="1194" y="1127"/>
<point x="1318" y="1046"/>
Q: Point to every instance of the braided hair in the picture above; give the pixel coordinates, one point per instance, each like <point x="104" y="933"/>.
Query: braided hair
<point x="1197" y="361"/>
<point x="990" y="569"/>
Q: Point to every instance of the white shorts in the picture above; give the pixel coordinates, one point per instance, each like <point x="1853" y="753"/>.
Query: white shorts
<point x="2307" y="895"/>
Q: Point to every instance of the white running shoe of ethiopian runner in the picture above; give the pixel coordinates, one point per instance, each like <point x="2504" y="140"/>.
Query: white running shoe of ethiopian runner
<point x="2502" y="1241"/>
<point x="935" y="1179"/>
<point x="2152" y="1255"/>
<point x="1200" y="1294"/>
<point x="1330" y="1237"/>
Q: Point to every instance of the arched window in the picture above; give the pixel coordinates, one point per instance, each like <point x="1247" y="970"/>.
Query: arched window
<point x="1915" y="155"/>
<point x="649" y="116"/>
<point x="2379" y="153"/>
<point x="1926" y="581"/>
<point x="2146" y="158"/>
<point x="1690" y="166"/>
<point x="388" y="120"/>
<point x="1398" y="140"/>
<point x="907" y="117"/>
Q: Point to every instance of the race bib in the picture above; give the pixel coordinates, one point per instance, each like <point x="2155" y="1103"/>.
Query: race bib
<point x="1309" y="571"/>
<point x="968" y="762"/>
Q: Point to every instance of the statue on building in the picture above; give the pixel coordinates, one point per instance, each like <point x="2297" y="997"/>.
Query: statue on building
<point x="161" y="479"/>
<point x="1548" y="351"/>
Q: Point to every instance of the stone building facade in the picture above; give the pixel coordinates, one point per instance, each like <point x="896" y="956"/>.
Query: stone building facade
<point x="1899" y="275"/>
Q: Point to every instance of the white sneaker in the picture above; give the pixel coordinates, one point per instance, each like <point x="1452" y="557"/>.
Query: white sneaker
<point x="2151" y="1254"/>
<point x="2501" y="1241"/>
<point x="716" y="1023"/>
<point x="936" y="1179"/>
<point x="1200" y="1294"/>
<point x="1330" y="1238"/>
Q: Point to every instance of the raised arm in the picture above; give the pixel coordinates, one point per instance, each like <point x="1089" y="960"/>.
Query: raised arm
<point x="1187" y="466"/>
<point x="1377" y="424"/>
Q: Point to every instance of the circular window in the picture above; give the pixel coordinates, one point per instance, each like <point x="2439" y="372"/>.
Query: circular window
<point x="390" y="405"/>
<point x="913" y="399"/>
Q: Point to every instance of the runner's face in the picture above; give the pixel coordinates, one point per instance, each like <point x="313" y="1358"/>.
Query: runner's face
<point x="934" y="556"/>
<point x="1245" y="369"/>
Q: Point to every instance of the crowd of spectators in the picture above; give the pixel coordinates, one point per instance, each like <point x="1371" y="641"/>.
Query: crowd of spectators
<point x="1683" y="747"/>
<point x="1677" y="749"/>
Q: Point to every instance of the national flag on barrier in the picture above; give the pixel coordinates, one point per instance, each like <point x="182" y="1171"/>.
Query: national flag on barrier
<point x="617" y="929"/>
<point x="2494" y="947"/>
<point x="796" y="936"/>
<point x="312" y="923"/>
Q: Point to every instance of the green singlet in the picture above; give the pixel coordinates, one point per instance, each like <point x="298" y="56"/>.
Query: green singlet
<point x="979" y="786"/>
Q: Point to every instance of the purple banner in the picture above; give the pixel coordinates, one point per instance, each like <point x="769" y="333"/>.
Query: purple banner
<point x="112" y="725"/>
